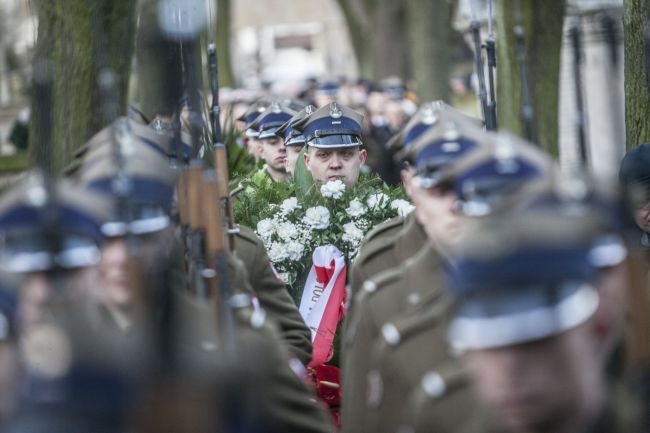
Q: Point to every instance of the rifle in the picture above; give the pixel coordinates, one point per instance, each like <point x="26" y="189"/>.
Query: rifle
<point x="220" y="156"/>
<point x="490" y="50"/>
<point x="527" y="113"/>
<point x="475" y="28"/>
<point x="574" y="35"/>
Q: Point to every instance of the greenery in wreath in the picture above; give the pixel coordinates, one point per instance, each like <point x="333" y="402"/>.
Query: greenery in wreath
<point x="293" y="218"/>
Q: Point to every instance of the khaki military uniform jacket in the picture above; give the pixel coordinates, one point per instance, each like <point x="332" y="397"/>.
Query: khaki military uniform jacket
<point x="266" y="377"/>
<point x="414" y="382"/>
<point x="384" y="248"/>
<point x="273" y="294"/>
<point x="400" y="290"/>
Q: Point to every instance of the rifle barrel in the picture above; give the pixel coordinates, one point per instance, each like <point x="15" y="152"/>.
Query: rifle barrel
<point x="576" y="43"/>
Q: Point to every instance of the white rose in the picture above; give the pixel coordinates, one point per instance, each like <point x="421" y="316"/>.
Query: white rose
<point x="317" y="217"/>
<point x="294" y="250"/>
<point x="352" y="234"/>
<point x="265" y="228"/>
<point x="289" y="205"/>
<point x="277" y="252"/>
<point x="287" y="231"/>
<point x="356" y="208"/>
<point x="333" y="189"/>
<point x="403" y="207"/>
<point x="379" y="200"/>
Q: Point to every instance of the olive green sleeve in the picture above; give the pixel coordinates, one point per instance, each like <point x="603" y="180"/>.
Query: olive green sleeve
<point x="276" y="301"/>
<point x="290" y="404"/>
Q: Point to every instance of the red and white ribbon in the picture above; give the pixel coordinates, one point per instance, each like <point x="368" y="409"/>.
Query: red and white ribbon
<point x="322" y="300"/>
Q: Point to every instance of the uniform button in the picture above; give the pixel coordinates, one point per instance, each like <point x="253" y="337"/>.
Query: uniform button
<point x="208" y="346"/>
<point x="369" y="286"/>
<point x="391" y="334"/>
<point x="433" y="385"/>
<point x="414" y="298"/>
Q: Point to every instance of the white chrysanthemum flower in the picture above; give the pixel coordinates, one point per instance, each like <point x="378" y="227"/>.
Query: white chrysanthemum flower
<point x="356" y="208"/>
<point x="378" y="200"/>
<point x="352" y="234"/>
<point x="333" y="189"/>
<point x="295" y="250"/>
<point x="402" y="207"/>
<point x="287" y="231"/>
<point x="277" y="252"/>
<point x="289" y="205"/>
<point x="317" y="217"/>
<point x="265" y="228"/>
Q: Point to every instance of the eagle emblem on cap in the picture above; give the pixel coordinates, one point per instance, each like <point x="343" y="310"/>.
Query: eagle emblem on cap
<point x="429" y="116"/>
<point x="451" y="132"/>
<point x="335" y="111"/>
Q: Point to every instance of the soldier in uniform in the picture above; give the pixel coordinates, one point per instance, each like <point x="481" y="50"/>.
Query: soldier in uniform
<point x="389" y="251"/>
<point x="294" y="141"/>
<point x="534" y="324"/>
<point x="400" y="238"/>
<point x="269" y="393"/>
<point x="252" y="143"/>
<point x="406" y="309"/>
<point x="273" y="151"/>
<point x="333" y="138"/>
<point x="270" y="291"/>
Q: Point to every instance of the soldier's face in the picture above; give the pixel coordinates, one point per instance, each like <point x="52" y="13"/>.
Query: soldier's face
<point x="293" y="152"/>
<point x="114" y="273"/>
<point x="254" y="147"/>
<point x="539" y="384"/>
<point x="38" y="289"/>
<point x="274" y="153"/>
<point x="435" y="209"/>
<point x="642" y="217"/>
<point x="341" y="163"/>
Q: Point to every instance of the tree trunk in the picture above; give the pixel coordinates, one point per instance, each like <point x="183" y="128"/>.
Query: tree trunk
<point x="222" y="36"/>
<point x="77" y="37"/>
<point x="542" y="22"/>
<point x="391" y="50"/>
<point x="358" y="18"/>
<point x="428" y="24"/>
<point x="637" y="72"/>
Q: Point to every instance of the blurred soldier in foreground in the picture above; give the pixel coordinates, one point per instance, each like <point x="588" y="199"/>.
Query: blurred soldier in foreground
<point x="535" y="319"/>
<point x="333" y="138"/>
<point x="385" y="251"/>
<point x="147" y="163"/>
<point x="403" y="309"/>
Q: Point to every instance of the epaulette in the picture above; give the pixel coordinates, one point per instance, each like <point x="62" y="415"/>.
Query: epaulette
<point x="383" y="279"/>
<point x="407" y="325"/>
<point x="247" y="234"/>
<point x="373" y="249"/>
<point x="383" y="229"/>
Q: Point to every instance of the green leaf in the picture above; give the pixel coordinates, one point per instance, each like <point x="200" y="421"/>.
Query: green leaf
<point x="302" y="177"/>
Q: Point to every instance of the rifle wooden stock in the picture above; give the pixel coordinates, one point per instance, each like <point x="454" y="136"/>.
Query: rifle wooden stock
<point x="221" y="164"/>
<point x="217" y="259"/>
<point x="638" y="324"/>
<point x="194" y="214"/>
